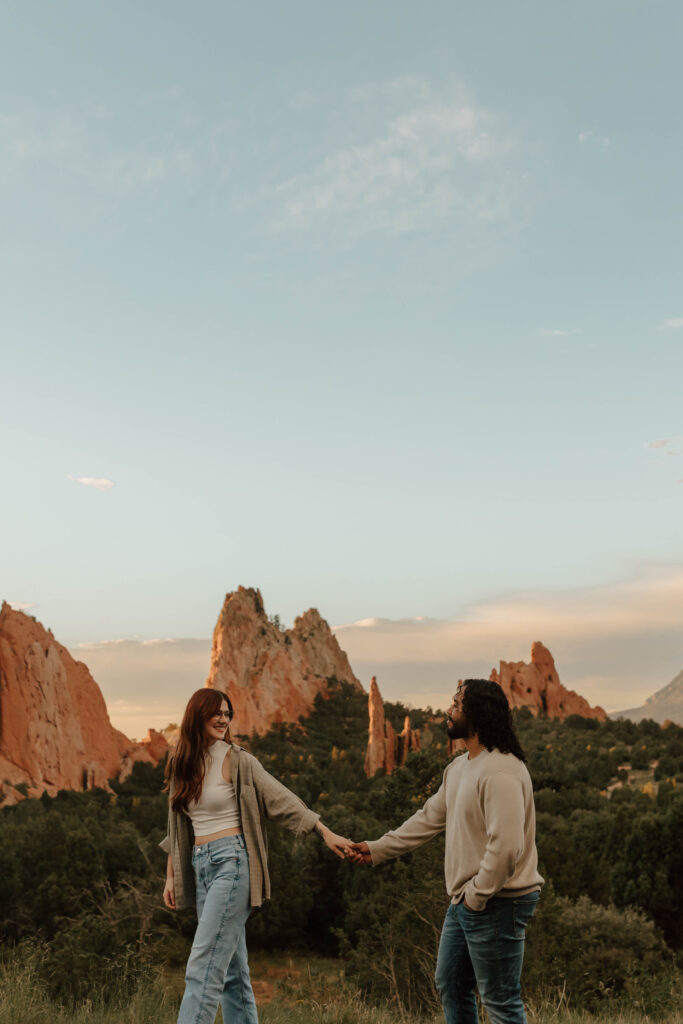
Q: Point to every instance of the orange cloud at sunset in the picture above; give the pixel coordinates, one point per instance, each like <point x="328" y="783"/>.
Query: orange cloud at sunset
<point x="615" y="644"/>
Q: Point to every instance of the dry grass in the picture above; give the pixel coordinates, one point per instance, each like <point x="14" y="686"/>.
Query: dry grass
<point x="301" y="992"/>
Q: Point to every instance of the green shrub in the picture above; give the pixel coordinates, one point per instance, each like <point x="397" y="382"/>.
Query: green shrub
<point x="85" y="957"/>
<point x="597" y="956"/>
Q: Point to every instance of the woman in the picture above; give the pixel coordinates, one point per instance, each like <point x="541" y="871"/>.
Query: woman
<point x="219" y="796"/>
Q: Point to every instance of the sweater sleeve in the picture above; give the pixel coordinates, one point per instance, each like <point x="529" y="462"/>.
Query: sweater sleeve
<point x="503" y="804"/>
<point x="280" y="804"/>
<point x="425" y="823"/>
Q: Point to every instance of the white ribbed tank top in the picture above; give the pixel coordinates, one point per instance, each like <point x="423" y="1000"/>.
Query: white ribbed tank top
<point x="217" y="807"/>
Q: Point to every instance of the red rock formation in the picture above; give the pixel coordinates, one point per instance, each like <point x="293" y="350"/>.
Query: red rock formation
<point x="386" y="748"/>
<point x="171" y="734"/>
<point x="156" y="744"/>
<point x="537" y="686"/>
<point x="376" y="754"/>
<point x="403" y="741"/>
<point x="272" y="675"/>
<point x="408" y="740"/>
<point x="55" y="732"/>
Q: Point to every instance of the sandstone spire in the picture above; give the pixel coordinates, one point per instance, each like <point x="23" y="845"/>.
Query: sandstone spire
<point x="386" y="749"/>
<point x="376" y="754"/>
<point x="404" y="741"/>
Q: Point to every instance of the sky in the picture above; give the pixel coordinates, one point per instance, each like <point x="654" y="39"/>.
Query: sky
<point x="376" y="308"/>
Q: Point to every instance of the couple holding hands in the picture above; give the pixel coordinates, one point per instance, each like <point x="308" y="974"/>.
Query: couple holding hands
<point x="220" y="795"/>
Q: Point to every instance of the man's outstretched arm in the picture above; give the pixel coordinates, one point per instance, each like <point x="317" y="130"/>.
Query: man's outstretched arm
<point x="416" y="830"/>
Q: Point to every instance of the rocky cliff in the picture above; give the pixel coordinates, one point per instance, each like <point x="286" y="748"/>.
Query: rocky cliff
<point x="270" y="674"/>
<point x="55" y="731"/>
<point x="537" y="686"/>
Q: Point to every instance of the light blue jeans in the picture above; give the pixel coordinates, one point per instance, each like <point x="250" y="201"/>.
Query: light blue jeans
<point x="217" y="970"/>
<point x="484" y="948"/>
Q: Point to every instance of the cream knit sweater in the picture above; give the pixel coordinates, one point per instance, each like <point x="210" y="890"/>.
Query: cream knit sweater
<point x="485" y="805"/>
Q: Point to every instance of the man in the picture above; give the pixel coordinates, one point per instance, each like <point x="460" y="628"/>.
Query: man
<point x="485" y="805"/>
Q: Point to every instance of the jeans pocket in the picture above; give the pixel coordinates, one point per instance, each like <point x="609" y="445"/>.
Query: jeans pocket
<point x="225" y="855"/>
<point x="471" y="918"/>
<point x="523" y="911"/>
<point x="226" y="852"/>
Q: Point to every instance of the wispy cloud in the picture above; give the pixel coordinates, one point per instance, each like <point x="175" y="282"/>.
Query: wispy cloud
<point x="671" y="447"/>
<point x="554" y="332"/>
<point x="87" y="145"/>
<point x="435" y="157"/>
<point x="135" y="641"/>
<point x="616" y="644"/>
<point x="22" y="606"/>
<point x="100" y="483"/>
<point x="594" y="138"/>
<point x="674" y="324"/>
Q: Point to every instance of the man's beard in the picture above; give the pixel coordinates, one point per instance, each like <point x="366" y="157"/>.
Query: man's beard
<point x="457" y="730"/>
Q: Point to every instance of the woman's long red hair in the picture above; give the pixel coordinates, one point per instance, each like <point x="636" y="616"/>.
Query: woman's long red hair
<point x="187" y="764"/>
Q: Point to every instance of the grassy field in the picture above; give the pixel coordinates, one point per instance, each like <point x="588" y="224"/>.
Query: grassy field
<point x="289" y="991"/>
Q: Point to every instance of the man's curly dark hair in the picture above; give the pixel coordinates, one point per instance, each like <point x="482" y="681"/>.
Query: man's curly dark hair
<point x="487" y="711"/>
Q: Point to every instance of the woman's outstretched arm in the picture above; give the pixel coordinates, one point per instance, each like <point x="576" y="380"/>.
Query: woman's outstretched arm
<point x="338" y="844"/>
<point x="287" y="809"/>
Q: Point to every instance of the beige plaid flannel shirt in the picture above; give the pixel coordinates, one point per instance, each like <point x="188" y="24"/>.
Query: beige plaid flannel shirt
<point x="259" y="797"/>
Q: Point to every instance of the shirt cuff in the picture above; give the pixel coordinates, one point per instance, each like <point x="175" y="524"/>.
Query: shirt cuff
<point x="375" y="848"/>
<point x="308" y="823"/>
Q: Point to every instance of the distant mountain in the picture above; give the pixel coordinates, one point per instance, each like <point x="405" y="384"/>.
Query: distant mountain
<point x="664" y="705"/>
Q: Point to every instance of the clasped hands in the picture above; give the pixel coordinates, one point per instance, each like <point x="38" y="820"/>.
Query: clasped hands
<point x="357" y="853"/>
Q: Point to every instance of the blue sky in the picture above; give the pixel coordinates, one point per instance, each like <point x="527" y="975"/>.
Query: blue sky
<point x="376" y="308"/>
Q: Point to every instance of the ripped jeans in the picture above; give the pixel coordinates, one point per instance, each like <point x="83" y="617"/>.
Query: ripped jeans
<point x="217" y="970"/>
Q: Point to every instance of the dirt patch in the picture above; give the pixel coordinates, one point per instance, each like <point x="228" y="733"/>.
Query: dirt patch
<point x="289" y="979"/>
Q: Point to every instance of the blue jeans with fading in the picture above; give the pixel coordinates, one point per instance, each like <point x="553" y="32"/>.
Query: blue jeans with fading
<point x="217" y="969"/>
<point x="484" y="948"/>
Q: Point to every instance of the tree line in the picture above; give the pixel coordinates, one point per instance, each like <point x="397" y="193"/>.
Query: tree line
<point x="82" y="872"/>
